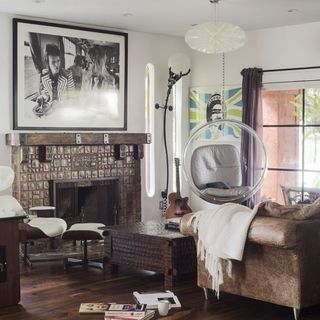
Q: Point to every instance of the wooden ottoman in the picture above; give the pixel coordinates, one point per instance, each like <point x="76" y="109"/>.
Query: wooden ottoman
<point x="150" y="246"/>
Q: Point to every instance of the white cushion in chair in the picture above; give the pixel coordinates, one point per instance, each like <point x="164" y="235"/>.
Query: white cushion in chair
<point x="9" y="207"/>
<point x="88" y="227"/>
<point x="52" y="227"/>
<point x="215" y="163"/>
<point x="226" y="193"/>
<point x="6" y="177"/>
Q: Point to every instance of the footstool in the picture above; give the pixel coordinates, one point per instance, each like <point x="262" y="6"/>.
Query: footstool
<point x="40" y="228"/>
<point x="84" y="232"/>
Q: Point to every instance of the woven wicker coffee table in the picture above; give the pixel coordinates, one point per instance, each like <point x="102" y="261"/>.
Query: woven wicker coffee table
<point x="150" y="246"/>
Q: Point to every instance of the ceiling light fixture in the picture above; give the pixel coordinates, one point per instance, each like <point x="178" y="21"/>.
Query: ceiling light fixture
<point x="215" y="36"/>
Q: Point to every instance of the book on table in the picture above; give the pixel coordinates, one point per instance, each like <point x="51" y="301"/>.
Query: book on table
<point x="152" y="298"/>
<point x="93" y="308"/>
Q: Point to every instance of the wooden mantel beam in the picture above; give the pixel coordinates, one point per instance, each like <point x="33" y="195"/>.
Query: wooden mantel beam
<point x="66" y="138"/>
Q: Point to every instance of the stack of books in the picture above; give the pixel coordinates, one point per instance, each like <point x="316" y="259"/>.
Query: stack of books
<point x="113" y="311"/>
<point x="173" y="224"/>
<point x="128" y="312"/>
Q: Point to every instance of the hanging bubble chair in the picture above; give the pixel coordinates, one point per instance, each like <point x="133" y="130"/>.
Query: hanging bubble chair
<point x="225" y="161"/>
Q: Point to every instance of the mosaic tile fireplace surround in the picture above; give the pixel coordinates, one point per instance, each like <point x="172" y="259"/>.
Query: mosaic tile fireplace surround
<point x="42" y="160"/>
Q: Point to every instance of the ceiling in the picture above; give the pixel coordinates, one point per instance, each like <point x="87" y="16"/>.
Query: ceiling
<point x="172" y="17"/>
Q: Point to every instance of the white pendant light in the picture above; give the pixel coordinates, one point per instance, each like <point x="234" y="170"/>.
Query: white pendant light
<point x="215" y="37"/>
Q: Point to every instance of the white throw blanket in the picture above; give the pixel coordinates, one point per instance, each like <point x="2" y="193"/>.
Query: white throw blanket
<point x="222" y="234"/>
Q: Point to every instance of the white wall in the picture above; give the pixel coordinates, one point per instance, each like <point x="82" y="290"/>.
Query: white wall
<point x="149" y="48"/>
<point x="283" y="47"/>
<point x="143" y="48"/>
<point x="5" y="87"/>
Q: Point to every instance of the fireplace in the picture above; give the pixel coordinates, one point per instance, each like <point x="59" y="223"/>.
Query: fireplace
<point x="83" y="176"/>
<point x="87" y="200"/>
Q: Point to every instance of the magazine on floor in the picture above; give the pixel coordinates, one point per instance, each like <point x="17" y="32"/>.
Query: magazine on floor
<point x="152" y="298"/>
<point x="93" y="308"/>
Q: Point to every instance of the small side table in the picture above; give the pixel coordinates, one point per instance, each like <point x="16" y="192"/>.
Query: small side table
<point x="9" y="260"/>
<point x="151" y="247"/>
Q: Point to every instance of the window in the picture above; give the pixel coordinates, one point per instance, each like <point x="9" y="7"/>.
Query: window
<point x="291" y="134"/>
<point x="177" y="127"/>
<point x="149" y="128"/>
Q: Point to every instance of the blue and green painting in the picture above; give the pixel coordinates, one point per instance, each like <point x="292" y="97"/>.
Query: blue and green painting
<point x="198" y="104"/>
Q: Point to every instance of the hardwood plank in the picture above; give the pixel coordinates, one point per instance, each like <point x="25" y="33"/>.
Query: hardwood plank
<point x="50" y="293"/>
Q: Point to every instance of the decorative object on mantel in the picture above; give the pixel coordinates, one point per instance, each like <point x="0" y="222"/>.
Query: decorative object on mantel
<point x="215" y="36"/>
<point x="69" y="77"/>
<point x="179" y="66"/>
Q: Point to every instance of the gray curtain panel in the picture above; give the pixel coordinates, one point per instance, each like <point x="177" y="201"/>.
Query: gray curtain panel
<point x="252" y="116"/>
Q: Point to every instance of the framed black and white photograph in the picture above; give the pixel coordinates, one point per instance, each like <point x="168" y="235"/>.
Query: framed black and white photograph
<point x="68" y="78"/>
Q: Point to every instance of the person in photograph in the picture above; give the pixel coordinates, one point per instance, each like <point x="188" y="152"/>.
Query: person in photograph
<point x="87" y="74"/>
<point x="102" y="79"/>
<point x="76" y="70"/>
<point x="55" y="82"/>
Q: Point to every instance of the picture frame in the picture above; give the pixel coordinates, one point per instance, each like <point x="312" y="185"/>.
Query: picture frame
<point x="68" y="77"/>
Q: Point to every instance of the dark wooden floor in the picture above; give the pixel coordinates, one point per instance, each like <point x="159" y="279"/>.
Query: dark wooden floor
<point x="50" y="293"/>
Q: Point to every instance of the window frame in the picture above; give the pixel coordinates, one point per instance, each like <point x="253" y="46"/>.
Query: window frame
<point x="303" y="126"/>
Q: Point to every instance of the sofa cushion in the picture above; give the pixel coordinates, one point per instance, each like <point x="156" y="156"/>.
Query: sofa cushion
<point x="274" y="232"/>
<point x="296" y="212"/>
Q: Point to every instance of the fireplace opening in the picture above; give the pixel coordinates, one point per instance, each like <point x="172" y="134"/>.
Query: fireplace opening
<point x="87" y="200"/>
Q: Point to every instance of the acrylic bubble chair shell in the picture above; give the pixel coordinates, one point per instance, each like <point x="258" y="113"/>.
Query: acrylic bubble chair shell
<point x="225" y="161"/>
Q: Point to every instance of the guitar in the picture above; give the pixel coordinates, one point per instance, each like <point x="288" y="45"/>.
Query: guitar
<point x="178" y="206"/>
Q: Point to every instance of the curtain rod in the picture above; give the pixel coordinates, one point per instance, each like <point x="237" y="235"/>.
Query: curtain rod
<point x="290" y="69"/>
<point x="292" y="81"/>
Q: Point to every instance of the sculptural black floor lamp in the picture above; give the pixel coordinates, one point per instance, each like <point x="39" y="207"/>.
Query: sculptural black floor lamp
<point x="179" y="66"/>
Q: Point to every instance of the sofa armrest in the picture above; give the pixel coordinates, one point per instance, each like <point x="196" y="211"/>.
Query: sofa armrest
<point x="270" y="231"/>
<point x="185" y="228"/>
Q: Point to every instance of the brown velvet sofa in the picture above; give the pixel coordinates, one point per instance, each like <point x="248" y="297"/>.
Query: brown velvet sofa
<point x="281" y="263"/>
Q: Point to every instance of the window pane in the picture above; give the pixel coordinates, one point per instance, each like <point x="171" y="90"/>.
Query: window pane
<point x="311" y="186"/>
<point x="149" y="128"/>
<point x="278" y="186"/>
<point x="312" y="180"/>
<point x="283" y="147"/>
<point x="312" y="106"/>
<point x="282" y="107"/>
<point x="312" y="148"/>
